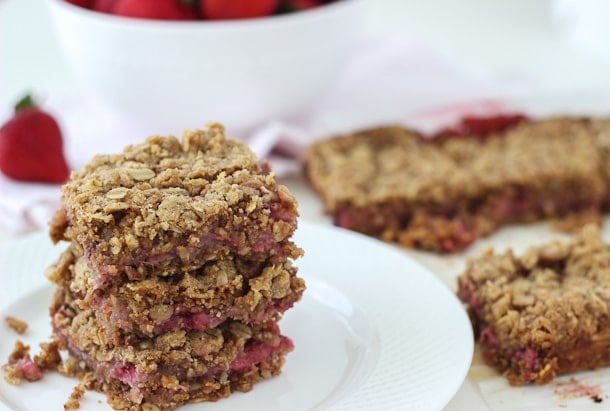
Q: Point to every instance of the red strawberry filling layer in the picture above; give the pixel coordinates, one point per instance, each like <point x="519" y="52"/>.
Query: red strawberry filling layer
<point x="201" y="320"/>
<point x="480" y="127"/>
<point x="256" y="355"/>
<point x="190" y="318"/>
<point x="525" y="361"/>
<point x="455" y="228"/>
<point x="256" y="245"/>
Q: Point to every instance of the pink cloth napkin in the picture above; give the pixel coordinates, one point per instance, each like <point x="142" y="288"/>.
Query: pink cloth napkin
<point x="389" y="79"/>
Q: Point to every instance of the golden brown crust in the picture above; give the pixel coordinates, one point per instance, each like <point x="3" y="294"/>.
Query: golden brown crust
<point x="545" y="313"/>
<point x="170" y="205"/>
<point x="158" y="370"/>
<point x="229" y="288"/>
<point x="601" y="129"/>
<point x="441" y="195"/>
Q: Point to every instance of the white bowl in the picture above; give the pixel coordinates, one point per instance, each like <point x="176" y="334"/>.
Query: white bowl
<point x="176" y="74"/>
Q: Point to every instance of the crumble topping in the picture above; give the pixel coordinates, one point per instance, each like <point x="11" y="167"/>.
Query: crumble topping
<point x="229" y="288"/>
<point x="443" y="194"/>
<point x="388" y="163"/>
<point x="175" y="204"/>
<point x="544" y="313"/>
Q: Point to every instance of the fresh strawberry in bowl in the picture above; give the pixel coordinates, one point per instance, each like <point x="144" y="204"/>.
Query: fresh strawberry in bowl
<point x="104" y="6"/>
<point x="236" y="9"/>
<point x="300" y="5"/>
<point x="155" y="9"/>
<point x="81" y="3"/>
<point x="198" y="9"/>
<point x="240" y="66"/>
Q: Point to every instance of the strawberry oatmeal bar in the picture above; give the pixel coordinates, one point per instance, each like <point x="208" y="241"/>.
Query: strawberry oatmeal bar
<point x="231" y="288"/>
<point x="173" y="367"/>
<point x="178" y="269"/>
<point x="545" y="313"/>
<point x="168" y="206"/>
<point x="444" y="192"/>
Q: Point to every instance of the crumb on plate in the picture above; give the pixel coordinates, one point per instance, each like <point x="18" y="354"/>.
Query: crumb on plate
<point x="17" y="325"/>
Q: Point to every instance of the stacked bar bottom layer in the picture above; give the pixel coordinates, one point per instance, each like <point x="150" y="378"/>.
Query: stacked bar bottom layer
<point x="201" y="299"/>
<point x="178" y="269"/>
<point x="173" y="367"/>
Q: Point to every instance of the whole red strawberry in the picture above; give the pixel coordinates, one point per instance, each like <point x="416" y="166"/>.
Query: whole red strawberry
<point x="105" y="6"/>
<point x="155" y="9"/>
<point x="296" y="5"/>
<point x="81" y="3"/>
<point x="31" y="146"/>
<point x="236" y="9"/>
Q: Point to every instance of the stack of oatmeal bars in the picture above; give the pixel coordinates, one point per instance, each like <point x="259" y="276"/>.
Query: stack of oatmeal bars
<point x="178" y="269"/>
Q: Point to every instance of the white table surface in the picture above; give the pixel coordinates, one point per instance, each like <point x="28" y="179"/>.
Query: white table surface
<point x="505" y="39"/>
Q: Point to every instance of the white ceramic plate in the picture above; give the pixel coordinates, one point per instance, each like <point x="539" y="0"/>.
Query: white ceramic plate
<point x="374" y="331"/>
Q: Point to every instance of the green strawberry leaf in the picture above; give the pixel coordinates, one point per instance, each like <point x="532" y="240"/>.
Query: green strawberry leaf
<point x="26" y="102"/>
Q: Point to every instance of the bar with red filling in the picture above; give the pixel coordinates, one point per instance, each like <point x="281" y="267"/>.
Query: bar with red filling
<point x="442" y="193"/>
<point x="545" y="313"/>
<point x="170" y="205"/>
<point x="201" y="299"/>
<point x="173" y="367"/>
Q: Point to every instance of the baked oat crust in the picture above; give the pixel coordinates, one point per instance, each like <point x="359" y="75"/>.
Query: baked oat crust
<point x="172" y="368"/>
<point x="170" y="205"/>
<point x="544" y="313"/>
<point x="441" y="195"/>
<point x="230" y="288"/>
